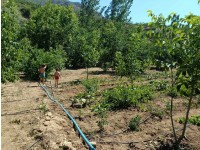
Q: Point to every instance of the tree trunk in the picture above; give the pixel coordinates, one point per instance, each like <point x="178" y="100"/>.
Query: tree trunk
<point x="187" y="116"/>
<point x="171" y="108"/>
<point x="87" y="72"/>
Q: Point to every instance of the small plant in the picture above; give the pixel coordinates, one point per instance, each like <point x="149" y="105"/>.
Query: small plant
<point x="102" y="115"/>
<point x="134" y="123"/>
<point x="43" y="107"/>
<point x="195" y="120"/>
<point x="83" y="99"/>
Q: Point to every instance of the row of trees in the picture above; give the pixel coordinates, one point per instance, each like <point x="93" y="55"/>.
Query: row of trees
<point x="82" y="39"/>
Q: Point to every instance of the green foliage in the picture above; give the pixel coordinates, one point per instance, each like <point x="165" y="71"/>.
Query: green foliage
<point x="119" y="10"/>
<point x="109" y="44"/>
<point x="91" y="85"/>
<point x="188" y="73"/>
<point x="9" y="36"/>
<point x="164" y="54"/>
<point x="178" y="45"/>
<point x="101" y="111"/>
<point x="131" y="61"/>
<point x="159" y="85"/>
<point x="120" y="64"/>
<point x="128" y="65"/>
<point x="88" y="13"/>
<point x="84" y="51"/>
<point x="52" y="26"/>
<point x="134" y="123"/>
<point x="172" y="92"/>
<point x="195" y="120"/>
<point x="124" y="97"/>
<point x="37" y="57"/>
<point x="90" y="52"/>
<point x="102" y="115"/>
<point x="26" y="7"/>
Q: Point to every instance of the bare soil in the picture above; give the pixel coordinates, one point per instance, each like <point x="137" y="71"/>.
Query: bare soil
<point x="30" y="120"/>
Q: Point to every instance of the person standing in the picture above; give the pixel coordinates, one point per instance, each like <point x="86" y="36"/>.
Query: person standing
<point x="42" y="73"/>
<point x="56" y="77"/>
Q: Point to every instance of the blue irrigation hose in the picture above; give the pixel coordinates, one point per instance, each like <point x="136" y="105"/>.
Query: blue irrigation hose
<point x="71" y="118"/>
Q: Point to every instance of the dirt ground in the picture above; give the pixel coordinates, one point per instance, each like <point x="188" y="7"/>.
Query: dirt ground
<point x="30" y="120"/>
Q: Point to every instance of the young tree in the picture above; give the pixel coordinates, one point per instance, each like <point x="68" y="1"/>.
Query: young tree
<point x="89" y="49"/>
<point x="188" y="73"/>
<point x="179" y="47"/>
<point x="108" y="44"/>
<point x="130" y="62"/>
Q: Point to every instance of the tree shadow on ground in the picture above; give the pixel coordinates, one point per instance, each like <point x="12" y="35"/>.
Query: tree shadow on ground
<point x="110" y="72"/>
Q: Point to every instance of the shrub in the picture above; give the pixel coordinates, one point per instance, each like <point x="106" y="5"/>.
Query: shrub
<point x="124" y="97"/>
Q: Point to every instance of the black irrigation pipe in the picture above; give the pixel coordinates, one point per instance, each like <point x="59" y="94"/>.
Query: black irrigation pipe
<point x="34" y="143"/>
<point x="75" y="125"/>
